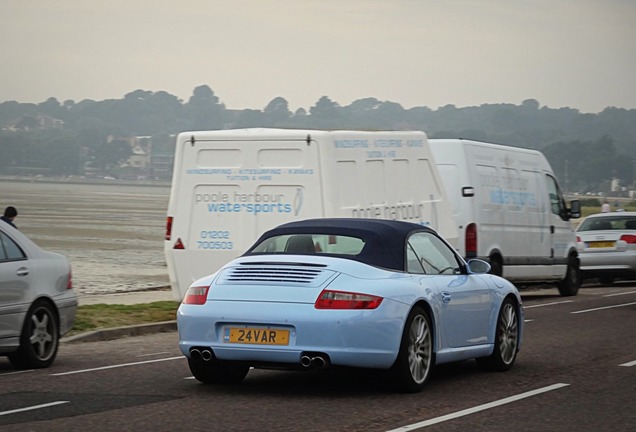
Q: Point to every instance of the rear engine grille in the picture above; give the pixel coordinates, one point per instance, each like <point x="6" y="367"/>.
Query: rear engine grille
<point x="273" y="274"/>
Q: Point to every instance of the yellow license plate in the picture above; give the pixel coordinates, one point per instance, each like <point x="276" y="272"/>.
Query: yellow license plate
<point x="258" y="336"/>
<point x="602" y="244"/>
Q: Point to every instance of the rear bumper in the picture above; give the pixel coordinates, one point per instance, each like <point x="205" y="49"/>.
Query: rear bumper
<point x="349" y="338"/>
<point x="604" y="264"/>
<point x="608" y="261"/>
<point x="67" y="309"/>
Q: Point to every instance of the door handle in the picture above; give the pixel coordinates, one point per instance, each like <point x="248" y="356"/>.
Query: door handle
<point x="22" y="271"/>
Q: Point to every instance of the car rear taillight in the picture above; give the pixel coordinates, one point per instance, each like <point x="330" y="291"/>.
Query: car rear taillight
<point x="69" y="284"/>
<point x="471" y="240"/>
<point x="346" y="300"/>
<point x="196" y="295"/>
<point x="628" y="238"/>
<point x="578" y="239"/>
<point x="168" y="227"/>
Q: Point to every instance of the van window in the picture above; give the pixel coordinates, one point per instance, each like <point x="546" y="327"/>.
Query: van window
<point x="557" y="203"/>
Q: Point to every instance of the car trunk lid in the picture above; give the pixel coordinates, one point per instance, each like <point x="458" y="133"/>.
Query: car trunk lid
<point x="271" y="281"/>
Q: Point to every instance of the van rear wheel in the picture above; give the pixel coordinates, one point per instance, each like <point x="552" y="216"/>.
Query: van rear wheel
<point x="496" y="266"/>
<point x="570" y="284"/>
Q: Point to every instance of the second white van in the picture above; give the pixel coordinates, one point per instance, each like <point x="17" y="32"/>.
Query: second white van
<point x="510" y="211"/>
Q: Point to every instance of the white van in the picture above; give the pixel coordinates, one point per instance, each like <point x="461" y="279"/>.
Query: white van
<point x="230" y="186"/>
<point x="510" y="211"/>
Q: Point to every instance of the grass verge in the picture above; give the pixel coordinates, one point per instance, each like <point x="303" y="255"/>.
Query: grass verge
<point x="101" y="316"/>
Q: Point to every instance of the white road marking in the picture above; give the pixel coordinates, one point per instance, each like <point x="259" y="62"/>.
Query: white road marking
<point x="525" y="321"/>
<point x="34" y="407"/>
<point x="629" y="364"/>
<point x="547" y="304"/>
<point x="117" y="366"/>
<point x="478" y="408"/>
<point x="619" y="294"/>
<point x="17" y="372"/>
<point x="604" y="307"/>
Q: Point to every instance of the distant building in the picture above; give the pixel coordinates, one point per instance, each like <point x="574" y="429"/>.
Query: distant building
<point x="143" y="163"/>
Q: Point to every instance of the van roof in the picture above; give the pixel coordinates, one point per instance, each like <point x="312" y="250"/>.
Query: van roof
<point x="288" y="133"/>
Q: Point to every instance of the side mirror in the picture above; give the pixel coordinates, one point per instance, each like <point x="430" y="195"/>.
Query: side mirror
<point x="478" y="266"/>
<point x="575" y="209"/>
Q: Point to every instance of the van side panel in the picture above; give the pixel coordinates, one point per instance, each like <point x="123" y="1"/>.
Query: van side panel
<point x="387" y="175"/>
<point x="513" y="216"/>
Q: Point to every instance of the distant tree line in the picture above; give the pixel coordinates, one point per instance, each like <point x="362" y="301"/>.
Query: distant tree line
<point x="586" y="150"/>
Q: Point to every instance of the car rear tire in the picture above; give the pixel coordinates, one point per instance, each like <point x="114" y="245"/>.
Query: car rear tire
<point x="415" y="359"/>
<point x="40" y="338"/>
<point x="506" y="339"/>
<point x="569" y="286"/>
<point x="214" y="372"/>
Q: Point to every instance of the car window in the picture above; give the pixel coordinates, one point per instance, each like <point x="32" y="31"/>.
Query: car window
<point x="413" y="264"/>
<point x="608" y="223"/>
<point x="9" y="250"/>
<point x="427" y="254"/>
<point x="311" y="243"/>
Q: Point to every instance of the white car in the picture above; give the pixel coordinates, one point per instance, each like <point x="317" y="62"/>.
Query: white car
<point x="37" y="300"/>
<point x="608" y="246"/>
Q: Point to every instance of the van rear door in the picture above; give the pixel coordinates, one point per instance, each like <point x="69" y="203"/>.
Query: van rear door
<point x="232" y="190"/>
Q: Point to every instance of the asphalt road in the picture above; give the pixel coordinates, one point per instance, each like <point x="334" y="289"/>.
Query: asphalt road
<point x="576" y="372"/>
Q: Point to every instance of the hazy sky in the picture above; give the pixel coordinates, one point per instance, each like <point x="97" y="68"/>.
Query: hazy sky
<point x="564" y="53"/>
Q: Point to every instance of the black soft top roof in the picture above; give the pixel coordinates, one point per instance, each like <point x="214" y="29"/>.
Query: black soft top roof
<point x="384" y="239"/>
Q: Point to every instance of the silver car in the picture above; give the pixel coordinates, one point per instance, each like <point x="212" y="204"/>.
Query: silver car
<point x="607" y="246"/>
<point x="37" y="301"/>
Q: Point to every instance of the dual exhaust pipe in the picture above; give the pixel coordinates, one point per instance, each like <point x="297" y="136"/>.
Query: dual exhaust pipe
<point x="204" y="354"/>
<point x="308" y="360"/>
<point x="314" y="360"/>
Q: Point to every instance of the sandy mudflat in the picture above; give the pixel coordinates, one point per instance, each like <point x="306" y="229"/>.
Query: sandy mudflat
<point x="112" y="233"/>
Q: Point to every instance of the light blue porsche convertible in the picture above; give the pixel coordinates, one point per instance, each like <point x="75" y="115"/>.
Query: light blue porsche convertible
<point x="363" y="293"/>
